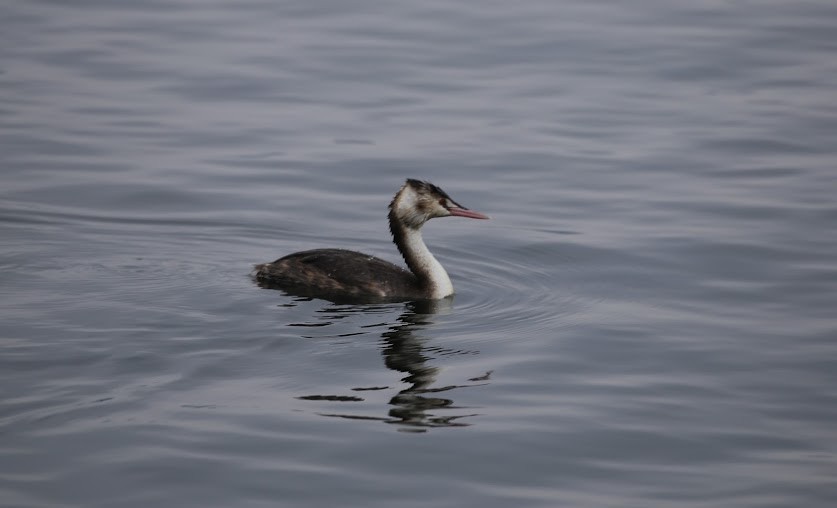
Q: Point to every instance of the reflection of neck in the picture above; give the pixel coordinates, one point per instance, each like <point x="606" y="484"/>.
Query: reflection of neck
<point x="404" y="352"/>
<point x="431" y="275"/>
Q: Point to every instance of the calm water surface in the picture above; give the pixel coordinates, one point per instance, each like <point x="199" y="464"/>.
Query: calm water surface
<point x="648" y="320"/>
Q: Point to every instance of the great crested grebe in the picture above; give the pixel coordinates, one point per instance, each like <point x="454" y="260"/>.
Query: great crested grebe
<point x="349" y="274"/>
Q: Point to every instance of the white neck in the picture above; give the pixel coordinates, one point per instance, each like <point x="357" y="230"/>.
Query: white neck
<point x="425" y="266"/>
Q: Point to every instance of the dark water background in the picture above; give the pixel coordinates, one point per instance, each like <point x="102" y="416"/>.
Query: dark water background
<point x="649" y="320"/>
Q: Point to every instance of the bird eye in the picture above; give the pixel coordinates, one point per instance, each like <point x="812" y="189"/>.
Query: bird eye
<point x="442" y="202"/>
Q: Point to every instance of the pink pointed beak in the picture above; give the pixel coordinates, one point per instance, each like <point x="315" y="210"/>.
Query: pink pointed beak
<point x="464" y="212"/>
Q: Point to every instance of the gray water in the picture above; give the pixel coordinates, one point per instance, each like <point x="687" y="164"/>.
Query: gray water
<point x="648" y="320"/>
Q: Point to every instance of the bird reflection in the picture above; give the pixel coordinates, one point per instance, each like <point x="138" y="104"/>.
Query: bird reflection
<point x="417" y="407"/>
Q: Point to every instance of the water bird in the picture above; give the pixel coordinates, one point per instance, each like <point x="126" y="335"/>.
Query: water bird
<point x="344" y="273"/>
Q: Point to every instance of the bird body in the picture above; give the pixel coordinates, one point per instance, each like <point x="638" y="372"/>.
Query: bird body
<point x="350" y="274"/>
